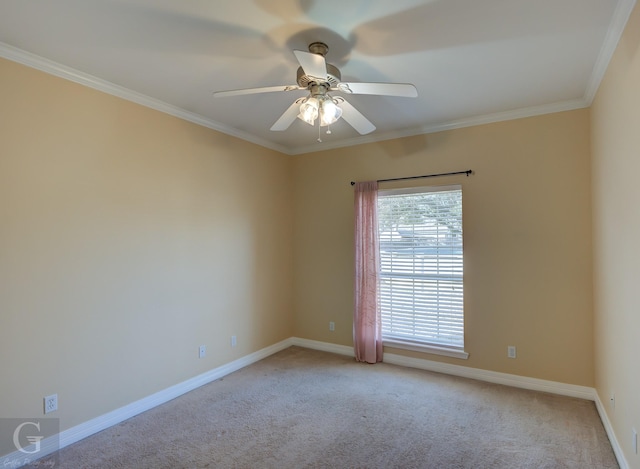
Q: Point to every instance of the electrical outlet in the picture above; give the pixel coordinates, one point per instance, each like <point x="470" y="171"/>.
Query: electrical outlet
<point x="511" y="351"/>
<point x="202" y="351"/>
<point x="612" y="401"/>
<point x="50" y="403"/>
<point x="234" y="341"/>
<point x="332" y="326"/>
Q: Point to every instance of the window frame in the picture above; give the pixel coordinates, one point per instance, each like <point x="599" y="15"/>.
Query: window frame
<point x="426" y="346"/>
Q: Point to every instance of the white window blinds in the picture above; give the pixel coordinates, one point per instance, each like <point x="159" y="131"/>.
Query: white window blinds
<point x="421" y="288"/>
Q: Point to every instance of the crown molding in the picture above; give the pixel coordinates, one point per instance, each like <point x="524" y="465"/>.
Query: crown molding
<point x="521" y="113"/>
<point x="62" y="71"/>
<point x="614" y="33"/>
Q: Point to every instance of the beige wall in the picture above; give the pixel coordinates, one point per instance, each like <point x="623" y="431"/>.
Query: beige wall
<point x="527" y="228"/>
<point x="616" y="214"/>
<point x="127" y="239"/>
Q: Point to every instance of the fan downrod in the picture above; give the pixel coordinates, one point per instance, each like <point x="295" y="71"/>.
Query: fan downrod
<point x="319" y="48"/>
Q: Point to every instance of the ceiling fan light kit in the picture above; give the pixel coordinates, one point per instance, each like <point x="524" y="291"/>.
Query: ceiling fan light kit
<point x="318" y="77"/>
<point x="329" y="112"/>
<point x="319" y="104"/>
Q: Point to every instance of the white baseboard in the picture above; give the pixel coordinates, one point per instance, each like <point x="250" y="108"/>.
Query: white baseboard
<point x="49" y="445"/>
<point x="617" y="450"/>
<point x="79" y="432"/>
<point x="515" y="381"/>
<point x="323" y="346"/>
<point x="534" y="384"/>
<point x="97" y="424"/>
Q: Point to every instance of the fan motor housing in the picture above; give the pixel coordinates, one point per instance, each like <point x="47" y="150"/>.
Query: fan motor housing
<point x="332" y="80"/>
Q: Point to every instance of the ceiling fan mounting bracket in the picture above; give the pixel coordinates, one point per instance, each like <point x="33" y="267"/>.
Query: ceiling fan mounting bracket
<point x="319" y="48"/>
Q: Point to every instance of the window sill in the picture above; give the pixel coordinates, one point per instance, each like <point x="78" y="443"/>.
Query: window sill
<point x="433" y="349"/>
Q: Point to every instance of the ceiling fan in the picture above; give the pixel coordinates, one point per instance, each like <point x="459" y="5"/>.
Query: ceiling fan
<point x="320" y="78"/>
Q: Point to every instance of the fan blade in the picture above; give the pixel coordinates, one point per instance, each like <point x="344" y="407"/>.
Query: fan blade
<point x="288" y="117"/>
<point x="268" y="89"/>
<point x="313" y="65"/>
<point x="355" y="118"/>
<point x="406" y="90"/>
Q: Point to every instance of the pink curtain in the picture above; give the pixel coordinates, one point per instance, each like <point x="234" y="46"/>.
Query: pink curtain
<point x="367" y="329"/>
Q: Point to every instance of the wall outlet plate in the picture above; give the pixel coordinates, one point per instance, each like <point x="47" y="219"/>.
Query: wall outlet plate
<point x="332" y="326"/>
<point x="202" y="351"/>
<point x="511" y="351"/>
<point x="234" y="341"/>
<point x="50" y="403"/>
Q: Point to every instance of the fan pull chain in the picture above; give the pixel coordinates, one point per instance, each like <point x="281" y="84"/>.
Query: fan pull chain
<point x="319" y="127"/>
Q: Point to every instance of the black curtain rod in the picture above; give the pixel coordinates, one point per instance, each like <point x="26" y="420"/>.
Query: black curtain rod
<point x="467" y="172"/>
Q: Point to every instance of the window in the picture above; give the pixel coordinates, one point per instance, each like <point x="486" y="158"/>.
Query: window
<point x="421" y="269"/>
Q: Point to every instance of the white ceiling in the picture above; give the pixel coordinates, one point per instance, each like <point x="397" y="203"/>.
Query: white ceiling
<point x="472" y="61"/>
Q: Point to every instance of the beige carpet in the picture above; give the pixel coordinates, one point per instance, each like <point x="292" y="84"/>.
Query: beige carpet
<point x="302" y="408"/>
